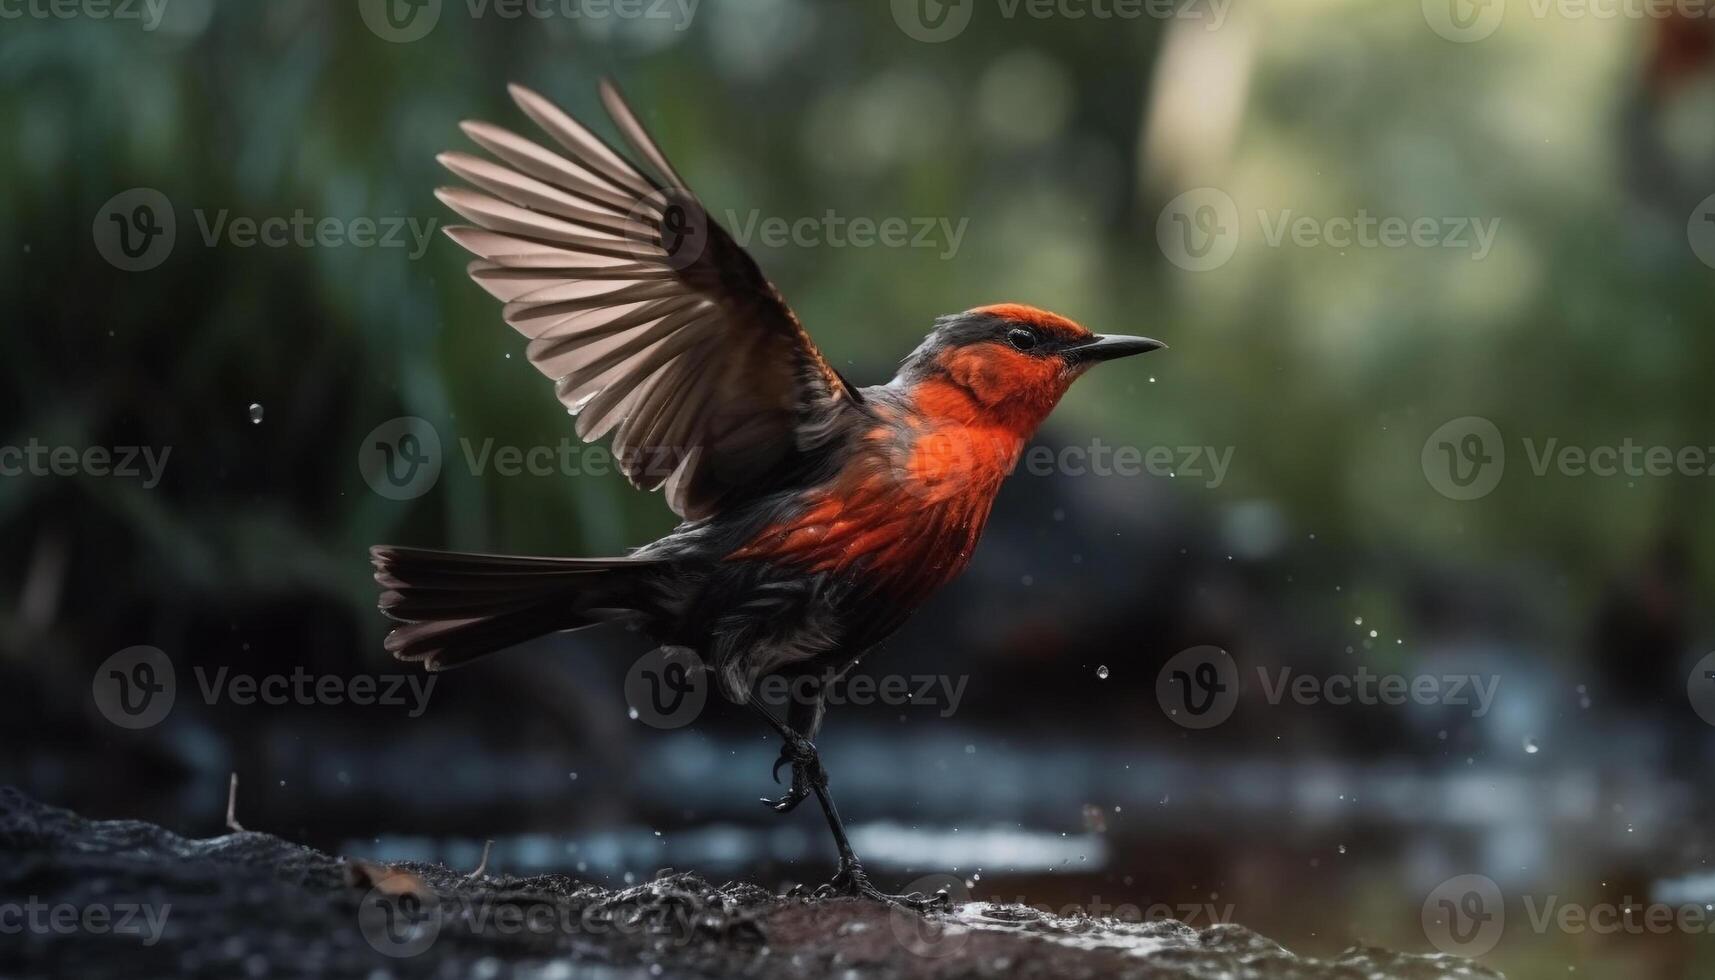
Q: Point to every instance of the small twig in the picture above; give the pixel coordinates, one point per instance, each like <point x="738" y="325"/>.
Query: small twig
<point x="232" y="805"/>
<point x="480" y="868"/>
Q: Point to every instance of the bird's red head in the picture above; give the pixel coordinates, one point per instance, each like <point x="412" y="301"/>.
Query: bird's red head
<point x="1006" y="365"/>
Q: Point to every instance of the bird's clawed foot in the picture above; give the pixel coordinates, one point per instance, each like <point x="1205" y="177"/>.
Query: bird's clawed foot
<point x="852" y="882"/>
<point x="807" y="774"/>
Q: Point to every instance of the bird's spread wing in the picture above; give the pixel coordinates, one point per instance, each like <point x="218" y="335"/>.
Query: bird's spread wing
<point x="655" y="325"/>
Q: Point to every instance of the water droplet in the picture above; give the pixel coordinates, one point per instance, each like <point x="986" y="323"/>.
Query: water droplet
<point x="255" y="413"/>
<point x="1342" y="848"/>
<point x="631" y="713"/>
<point x="1358" y="622"/>
<point x="1102" y="672"/>
<point x="1530" y="746"/>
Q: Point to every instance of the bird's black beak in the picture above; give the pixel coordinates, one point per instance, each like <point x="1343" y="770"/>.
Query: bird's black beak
<point x="1108" y="347"/>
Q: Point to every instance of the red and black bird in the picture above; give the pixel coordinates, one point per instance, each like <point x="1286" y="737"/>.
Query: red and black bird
<point x="817" y="515"/>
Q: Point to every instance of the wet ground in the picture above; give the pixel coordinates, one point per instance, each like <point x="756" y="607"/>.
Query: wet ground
<point x="89" y="898"/>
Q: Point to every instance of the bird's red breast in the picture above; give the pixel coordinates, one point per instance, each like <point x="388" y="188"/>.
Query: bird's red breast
<point x="910" y="505"/>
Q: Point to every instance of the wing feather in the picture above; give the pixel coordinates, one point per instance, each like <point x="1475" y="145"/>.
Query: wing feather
<point x="516" y="188"/>
<point x="656" y="327"/>
<point x="583" y="144"/>
<point x="573" y="297"/>
<point x="632" y="129"/>
<point x="523" y="253"/>
<point x="543" y="164"/>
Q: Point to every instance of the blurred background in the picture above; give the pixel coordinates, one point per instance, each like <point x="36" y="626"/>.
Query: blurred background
<point x="1199" y="171"/>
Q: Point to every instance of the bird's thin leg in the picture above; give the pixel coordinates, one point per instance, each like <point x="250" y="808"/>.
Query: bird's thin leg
<point x="798" y="752"/>
<point x="807" y="772"/>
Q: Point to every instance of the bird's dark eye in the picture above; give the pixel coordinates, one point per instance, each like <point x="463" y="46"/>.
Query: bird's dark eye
<point x="1021" y="339"/>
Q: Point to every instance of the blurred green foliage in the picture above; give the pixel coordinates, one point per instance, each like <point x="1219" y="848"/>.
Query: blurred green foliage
<point x="1325" y="369"/>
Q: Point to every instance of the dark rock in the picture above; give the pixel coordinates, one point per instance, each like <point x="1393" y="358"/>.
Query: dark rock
<point x="251" y="905"/>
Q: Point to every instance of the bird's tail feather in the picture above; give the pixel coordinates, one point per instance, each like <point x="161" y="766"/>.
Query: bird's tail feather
<point x="454" y="607"/>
